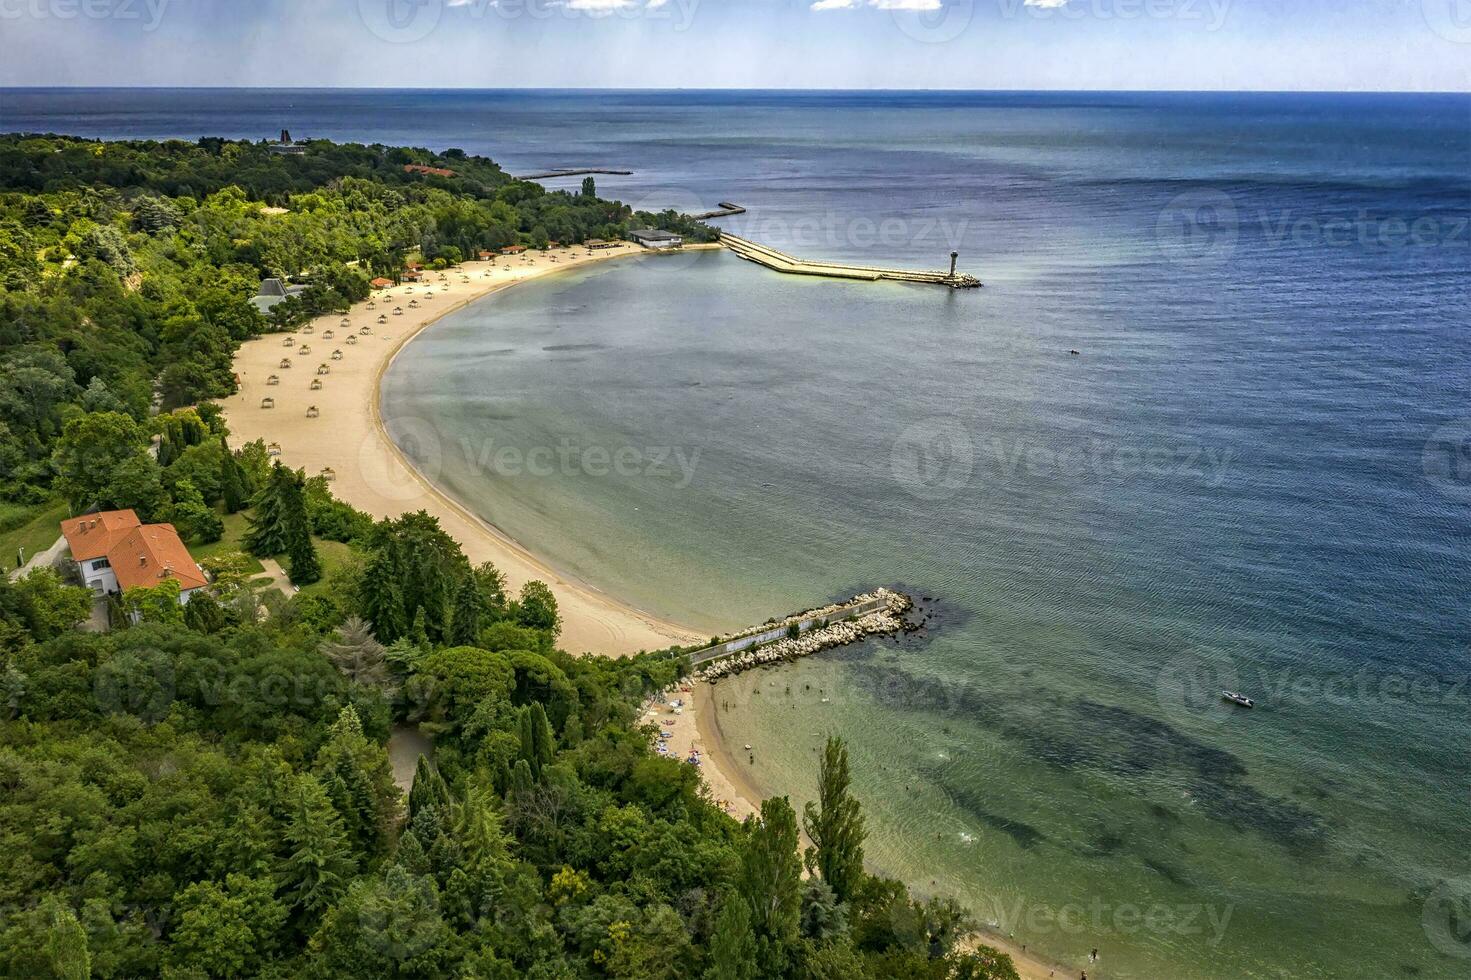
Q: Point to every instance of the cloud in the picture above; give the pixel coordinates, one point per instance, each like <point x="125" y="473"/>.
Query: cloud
<point x="1048" y="4"/>
<point x="835" y="5"/>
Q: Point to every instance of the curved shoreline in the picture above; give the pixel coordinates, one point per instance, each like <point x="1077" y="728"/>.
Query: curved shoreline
<point x="381" y="480"/>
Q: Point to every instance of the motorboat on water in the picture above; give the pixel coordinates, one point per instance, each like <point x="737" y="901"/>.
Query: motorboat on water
<point x="1240" y="699"/>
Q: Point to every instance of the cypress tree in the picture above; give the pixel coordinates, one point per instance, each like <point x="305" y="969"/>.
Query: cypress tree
<point x="428" y="789"/>
<point x="464" y="626"/>
<point x="232" y="481"/>
<point x="538" y="747"/>
<point x="835" y="826"/>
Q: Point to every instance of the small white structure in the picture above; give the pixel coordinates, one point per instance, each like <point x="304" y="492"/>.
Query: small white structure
<point x="656" y="240"/>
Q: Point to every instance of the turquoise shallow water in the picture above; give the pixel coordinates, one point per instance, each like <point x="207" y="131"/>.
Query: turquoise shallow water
<point x="1051" y="750"/>
<point x="1256" y="474"/>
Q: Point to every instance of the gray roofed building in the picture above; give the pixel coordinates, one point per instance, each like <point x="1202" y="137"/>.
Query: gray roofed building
<point x="654" y="238"/>
<point x="273" y="291"/>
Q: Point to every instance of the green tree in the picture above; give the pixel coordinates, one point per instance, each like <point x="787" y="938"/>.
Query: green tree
<point x="195" y="520"/>
<point x="358" y="779"/>
<point x="154" y="604"/>
<point x="381" y="597"/>
<point x="89" y="454"/>
<point x="301" y="554"/>
<point x="769" y="881"/>
<point x="835" y="826"/>
<point x="732" y="944"/>
<point x="226" y="929"/>
<point x="465" y="618"/>
<point x="269" y="532"/>
<point x="320" y="861"/>
<point x="359" y="656"/>
<point x="66" y="942"/>
<point x="537" y="608"/>
<point x="538" y="746"/>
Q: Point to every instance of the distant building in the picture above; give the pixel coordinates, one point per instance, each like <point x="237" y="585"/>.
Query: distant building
<point x="273" y="291"/>
<point x="419" y="168"/>
<point x="412" y="275"/>
<point x="381" y="283"/>
<point x="486" y="253"/>
<point x="600" y="243"/>
<point x="286" y="145"/>
<point x="114" y="552"/>
<point x="513" y="249"/>
<point x="655" y="239"/>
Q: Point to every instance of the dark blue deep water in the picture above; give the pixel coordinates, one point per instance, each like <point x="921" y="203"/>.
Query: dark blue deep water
<point x="1256" y="473"/>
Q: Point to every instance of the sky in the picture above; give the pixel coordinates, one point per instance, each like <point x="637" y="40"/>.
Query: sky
<point x="1277" y="45"/>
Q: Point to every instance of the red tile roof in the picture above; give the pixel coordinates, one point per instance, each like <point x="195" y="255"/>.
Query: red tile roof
<point x="150" y="554"/>
<point x="380" y="282"/>
<point x="91" y="535"/>
<point x="419" y="168"/>
<point x="141" y="555"/>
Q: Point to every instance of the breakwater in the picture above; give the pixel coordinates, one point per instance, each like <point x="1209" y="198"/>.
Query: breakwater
<point x="573" y="172"/>
<point x="725" y="210"/>
<point x="871" y="614"/>
<point x="782" y="262"/>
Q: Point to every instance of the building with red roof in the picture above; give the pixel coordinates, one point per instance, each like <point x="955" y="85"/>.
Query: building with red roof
<point x="114" y="551"/>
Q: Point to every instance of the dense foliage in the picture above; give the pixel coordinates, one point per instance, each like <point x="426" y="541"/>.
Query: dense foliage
<point x="127" y="268"/>
<point x="207" y="791"/>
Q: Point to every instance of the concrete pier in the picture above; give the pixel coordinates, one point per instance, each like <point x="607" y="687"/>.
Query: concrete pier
<point x="782" y="262"/>
<point x="725" y="210"/>
<point x="573" y="172"/>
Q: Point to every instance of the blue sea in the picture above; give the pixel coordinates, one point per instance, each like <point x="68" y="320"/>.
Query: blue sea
<point x="1207" y="426"/>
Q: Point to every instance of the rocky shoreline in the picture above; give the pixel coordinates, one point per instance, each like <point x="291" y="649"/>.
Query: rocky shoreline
<point x="889" y="619"/>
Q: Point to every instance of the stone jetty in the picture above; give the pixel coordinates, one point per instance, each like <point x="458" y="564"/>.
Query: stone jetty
<point x="872" y="614"/>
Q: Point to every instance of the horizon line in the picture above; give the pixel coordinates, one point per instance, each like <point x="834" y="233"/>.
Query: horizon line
<point x="652" y="89"/>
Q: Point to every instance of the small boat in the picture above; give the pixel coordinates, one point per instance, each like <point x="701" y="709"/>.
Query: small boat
<point x="1240" y="699"/>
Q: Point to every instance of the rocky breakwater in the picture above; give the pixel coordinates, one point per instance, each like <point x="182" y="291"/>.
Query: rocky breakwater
<point x="887" y="619"/>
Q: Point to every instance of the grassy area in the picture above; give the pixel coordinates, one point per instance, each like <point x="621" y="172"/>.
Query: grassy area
<point x="34" y="528"/>
<point x="235" y="528"/>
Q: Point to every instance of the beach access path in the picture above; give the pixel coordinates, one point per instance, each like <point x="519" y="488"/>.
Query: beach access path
<point x="347" y="435"/>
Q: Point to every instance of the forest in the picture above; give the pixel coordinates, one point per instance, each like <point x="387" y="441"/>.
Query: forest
<point x="204" y="790"/>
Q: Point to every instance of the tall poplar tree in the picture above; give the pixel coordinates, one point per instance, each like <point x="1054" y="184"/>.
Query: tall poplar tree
<point x="835" y="826"/>
<point x="770" y="882"/>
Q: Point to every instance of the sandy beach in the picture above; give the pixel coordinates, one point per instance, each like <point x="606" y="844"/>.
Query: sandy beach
<point x="347" y="436"/>
<point x="347" y="433"/>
